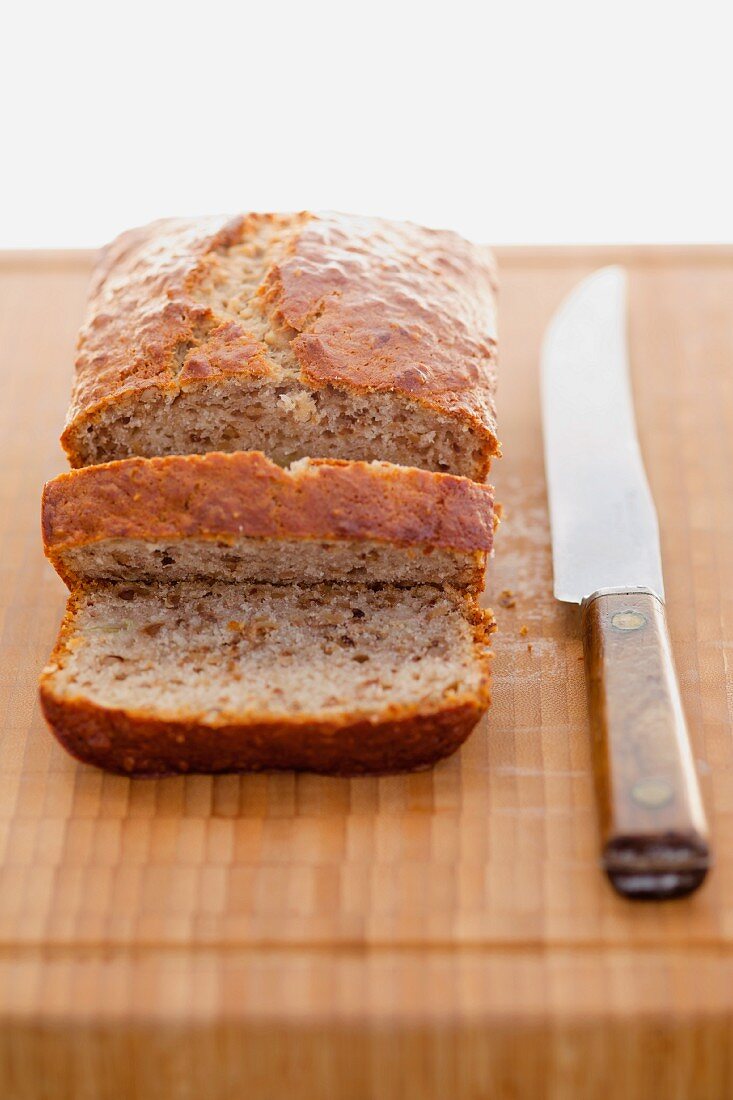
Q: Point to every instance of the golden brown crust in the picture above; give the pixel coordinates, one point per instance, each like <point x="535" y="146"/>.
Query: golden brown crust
<point x="371" y="306"/>
<point x="379" y="305"/>
<point x="141" y="314"/>
<point x="136" y="744"/>
<point x="143" y="746"/>
<point x="228" y="496"/>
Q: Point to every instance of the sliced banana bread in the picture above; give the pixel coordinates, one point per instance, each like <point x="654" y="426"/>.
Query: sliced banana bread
<point x="240" y="517"/>
<point x="208" y="677"/>
<point x="322" y="335"/>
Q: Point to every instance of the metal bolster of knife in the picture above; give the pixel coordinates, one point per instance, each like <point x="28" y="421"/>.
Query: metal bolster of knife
<point x="624" y="590"/>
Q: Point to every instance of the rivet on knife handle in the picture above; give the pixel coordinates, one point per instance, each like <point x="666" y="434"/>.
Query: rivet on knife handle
<point x="654" y="833"/>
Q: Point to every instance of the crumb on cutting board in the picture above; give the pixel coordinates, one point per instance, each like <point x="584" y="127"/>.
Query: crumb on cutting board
<point x="506" y="598"/>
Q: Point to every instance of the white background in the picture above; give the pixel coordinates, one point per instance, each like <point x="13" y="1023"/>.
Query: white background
<point x="519" y="122"/>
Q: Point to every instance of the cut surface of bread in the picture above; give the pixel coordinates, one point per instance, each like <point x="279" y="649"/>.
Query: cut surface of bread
<point x="196" y="676"/>
<point x="282" y="562"/>
<point x="302" y="334"/>
<point x="240" y="517"/>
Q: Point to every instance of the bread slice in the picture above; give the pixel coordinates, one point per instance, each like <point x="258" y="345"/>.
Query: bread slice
<point x="239" y="517"/>
<point x="297" y="335"/>
<point x="210" y="677"/>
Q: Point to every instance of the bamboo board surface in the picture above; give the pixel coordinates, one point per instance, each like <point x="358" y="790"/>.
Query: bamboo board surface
<point x="441" y="934"/>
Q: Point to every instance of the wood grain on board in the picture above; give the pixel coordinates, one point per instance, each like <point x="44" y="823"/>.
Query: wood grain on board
<point x="434" y="935"/>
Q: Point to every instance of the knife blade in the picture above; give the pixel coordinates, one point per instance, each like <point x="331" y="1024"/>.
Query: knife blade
<point x="607" y="558"/>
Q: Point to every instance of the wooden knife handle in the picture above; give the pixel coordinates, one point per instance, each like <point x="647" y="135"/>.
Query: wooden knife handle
<point x="654" y="833"/>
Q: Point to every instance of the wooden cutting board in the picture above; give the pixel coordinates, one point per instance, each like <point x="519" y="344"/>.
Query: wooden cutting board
<point x="446" y="934"/>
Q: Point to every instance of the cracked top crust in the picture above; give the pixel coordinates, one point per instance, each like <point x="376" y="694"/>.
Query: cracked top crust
<point x="359" y="304"/>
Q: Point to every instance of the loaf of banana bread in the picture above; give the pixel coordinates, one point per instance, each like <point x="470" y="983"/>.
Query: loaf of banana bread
<point x="297" y="335"/>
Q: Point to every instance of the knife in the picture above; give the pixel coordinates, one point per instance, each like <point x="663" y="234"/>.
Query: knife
<point x="606" y="557"/>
